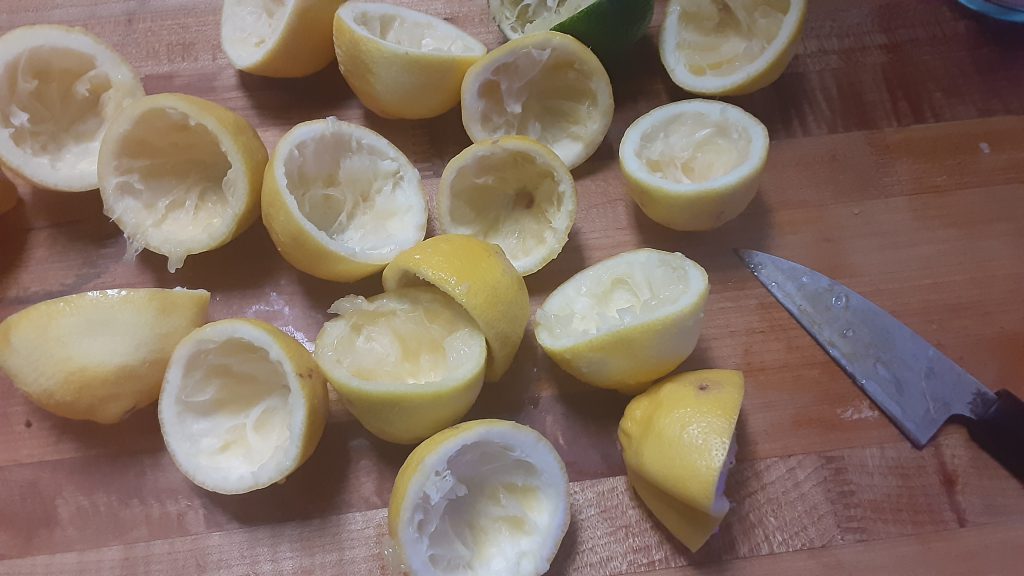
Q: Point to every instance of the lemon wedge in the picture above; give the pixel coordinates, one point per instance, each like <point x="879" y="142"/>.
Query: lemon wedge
<point x="694" y="165"/>
<point x="59" y="89"/>
<point x="278" y="38"/>
<point x="180" y="175"/>
<point x="481" y="279"/>
<point x="242" y="406"/>
<point x="407" y="363"/>
<point x="547" y="86"/>
<point x="340" y="201"/>
<point x="626" y="321"/>
<point x="98" y="355"/>
<point x="487" y="497"/>
<point x="729" y="47"/>
<point x="677" y="441"/>
<point x="402" y="63"/>
<point x="513" y="192"/>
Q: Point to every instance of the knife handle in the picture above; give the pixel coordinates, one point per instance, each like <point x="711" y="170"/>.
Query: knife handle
<point x="1000" y="432"/>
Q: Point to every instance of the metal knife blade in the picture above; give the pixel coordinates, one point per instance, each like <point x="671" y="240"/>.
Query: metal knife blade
<point x="911" y="381"/>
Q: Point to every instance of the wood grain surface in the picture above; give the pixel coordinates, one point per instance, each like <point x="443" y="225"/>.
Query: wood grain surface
<point x="897" y="167"/>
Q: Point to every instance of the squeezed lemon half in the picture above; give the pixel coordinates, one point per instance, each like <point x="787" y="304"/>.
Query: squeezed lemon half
<point x="60" y="87"/>
<point x="487" y="497"/>
<point x="402" y="63"/>
<point x="513" y="192"/>
<point x="481" y="279"/>
<point x="625" y="321"/>
<point x="677" y="441"/>
<point x="547" y="86"/>
<point x="180" y="175"/>
<point x="242" y="406"/>
<point x="278" y="38"/>
<point x="729" y="47"/>
<point x="340" y="201"/>
<point x="694" y="165"/>
<point x="407" y="363"/>
<point x="98" y="355"/>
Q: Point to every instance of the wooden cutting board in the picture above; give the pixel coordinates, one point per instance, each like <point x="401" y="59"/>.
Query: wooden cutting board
<point x="897" y="167"/>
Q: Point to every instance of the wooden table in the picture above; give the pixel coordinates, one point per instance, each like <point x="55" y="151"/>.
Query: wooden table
<point x="896" y="167"/>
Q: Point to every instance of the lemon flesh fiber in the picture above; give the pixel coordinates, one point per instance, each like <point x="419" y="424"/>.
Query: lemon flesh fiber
<point x="340" y="201"/>
<point x="180" y="175"/>
<point x="547" y="86"/>
<point x="243" y="405"/>
<point x="513" y="192"/>
<point x="407" y="363"/>
<point x="626" y="321"/>
<point x="402" y="63"/>
<point x="729" y="47"/>
<point x="98" y="355"/>
<point x="691" y="416"/>
<point x="487" y="497"/>
<point x="278" y="38"/>
<point x="59" y="89"/>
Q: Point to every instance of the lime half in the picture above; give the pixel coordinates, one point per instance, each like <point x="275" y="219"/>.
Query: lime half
<point x="608" y="27"/>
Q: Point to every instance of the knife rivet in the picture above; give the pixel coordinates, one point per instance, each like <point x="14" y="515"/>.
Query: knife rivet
<point x="839" y="299"/>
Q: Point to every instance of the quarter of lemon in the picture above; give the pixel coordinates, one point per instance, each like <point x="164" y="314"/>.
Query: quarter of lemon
<point x="180" y="175"/>
<point x="513" y="192"/>
<point x="407" y="363"/>
<point x="626" y="321"/>
<point x="98" y="355"/>
<point x="278" y="38"/>
<point x="59" y="89"/>
<point x="608" y="27"/>
<point x="677" y="441"/>
<point x="729" y="47"/>
<point x="547" y="86"/>
<point x="478" y="276"/>
<point x="695" y="164"/>
<point x="487" y="498"/>
<point x="402" y="63"/>
<point x="340" y="201"/>
<point x="242" y="406"/>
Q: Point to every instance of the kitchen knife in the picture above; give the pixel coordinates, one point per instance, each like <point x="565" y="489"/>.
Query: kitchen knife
<point x="915" y="384"/>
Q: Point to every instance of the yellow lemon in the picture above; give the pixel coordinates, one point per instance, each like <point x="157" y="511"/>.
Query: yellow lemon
<point x="727" y="48"/>
<point x="677" y="441"/>
<point x="98" y="355"/>
<point x="694" y="165"/>
<point x="180" y="175"/>
<point x="407" y="363"/>
<point x="513" y="192"/>
<point x="481" y="279"/>
<point x="59" y="89"/>
<point x="626" y="321"/>
<point x="547" y="86"/>
<point x="242" y="406"/>
<point x="279" y="38"/>
<point x="402" y="63"/>
<point x="487" y="497"/>
<point x="340" y="201"/>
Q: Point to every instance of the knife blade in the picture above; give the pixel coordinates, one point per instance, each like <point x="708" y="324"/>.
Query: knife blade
<point x="918" y="387"/>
